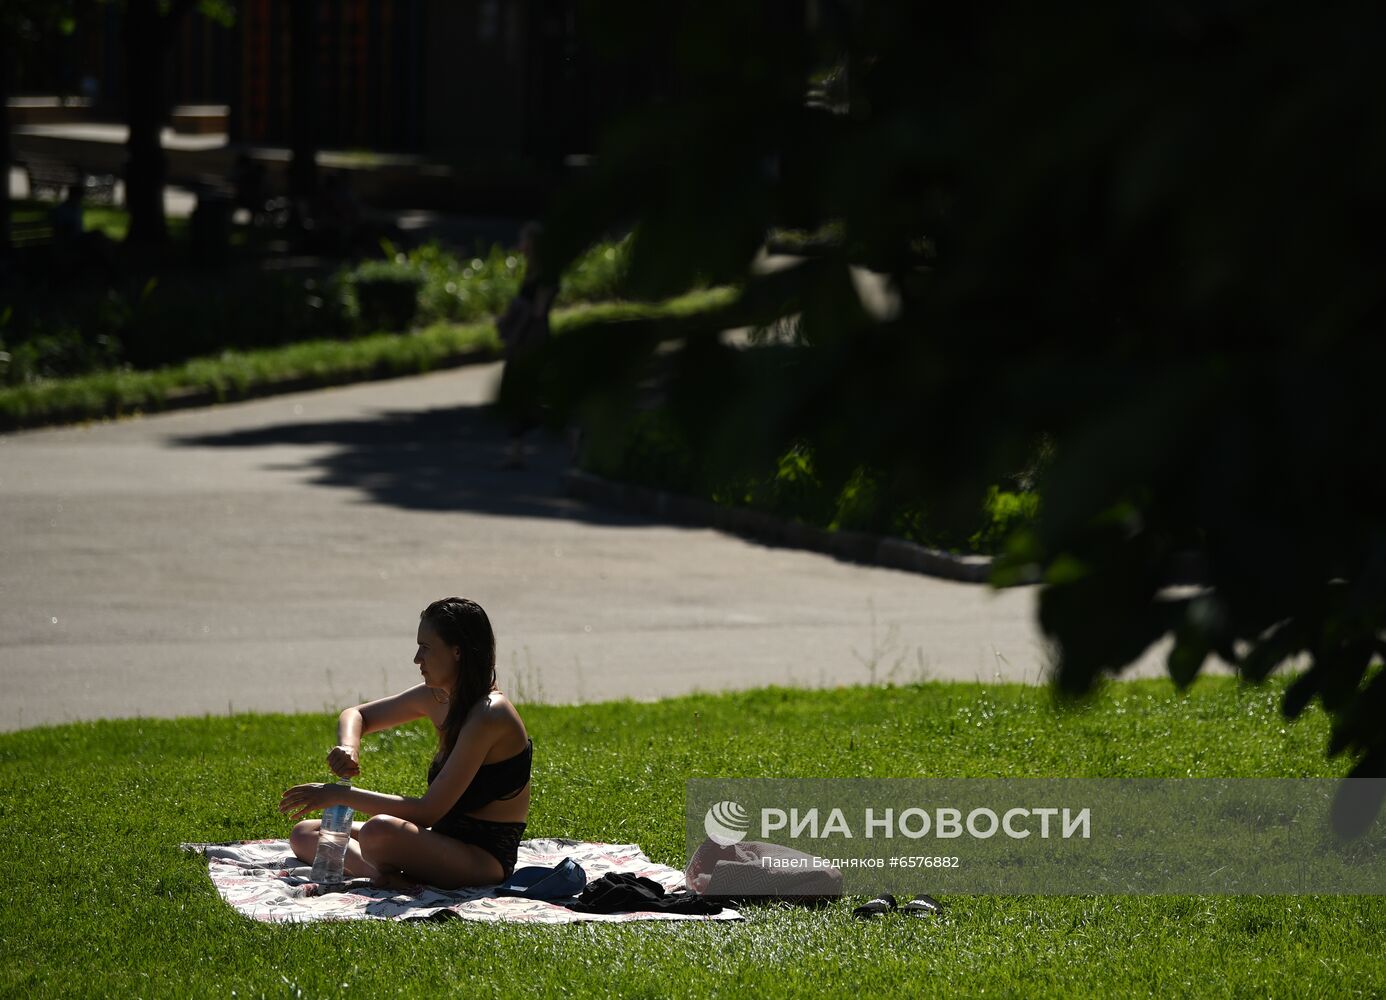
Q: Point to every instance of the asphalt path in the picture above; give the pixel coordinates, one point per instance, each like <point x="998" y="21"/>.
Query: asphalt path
<point x="274" y="555"/>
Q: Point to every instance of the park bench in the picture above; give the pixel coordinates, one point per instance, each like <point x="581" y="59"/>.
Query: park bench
<point x="58" y="175"/>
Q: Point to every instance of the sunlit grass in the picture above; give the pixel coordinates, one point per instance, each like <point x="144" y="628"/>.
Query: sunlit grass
<point x="99" y="901"/>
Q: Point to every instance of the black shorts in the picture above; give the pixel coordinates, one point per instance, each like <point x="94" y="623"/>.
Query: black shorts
<point x="500" y="840"/>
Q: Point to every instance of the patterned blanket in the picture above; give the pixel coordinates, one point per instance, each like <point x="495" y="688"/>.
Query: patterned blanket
<point x="264" y="881"/>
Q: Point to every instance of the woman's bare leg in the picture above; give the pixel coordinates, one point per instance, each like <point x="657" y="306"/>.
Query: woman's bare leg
<point x="304" y="841"/>
<point x="403" y="853"/>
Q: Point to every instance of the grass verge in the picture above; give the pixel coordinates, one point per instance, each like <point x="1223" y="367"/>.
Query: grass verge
<point x="34" y="216"/>
<point x="235" y="375"/>
<point x="99" y="901"/>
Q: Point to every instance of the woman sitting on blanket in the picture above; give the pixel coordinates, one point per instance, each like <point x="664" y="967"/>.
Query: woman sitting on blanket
<point x="466" y="828"/>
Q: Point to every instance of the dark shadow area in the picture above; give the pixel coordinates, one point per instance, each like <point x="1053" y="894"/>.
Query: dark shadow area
<point x="439" y="459"/>
<point x="447" y="459"/>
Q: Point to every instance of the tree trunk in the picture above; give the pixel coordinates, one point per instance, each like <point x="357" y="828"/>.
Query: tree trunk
<point x="303" y="169"/>
<point x="145" y="48"/>
<point x="7" y="48"/>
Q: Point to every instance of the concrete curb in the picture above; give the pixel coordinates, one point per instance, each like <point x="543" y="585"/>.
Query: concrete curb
<point x="853" y="546"/>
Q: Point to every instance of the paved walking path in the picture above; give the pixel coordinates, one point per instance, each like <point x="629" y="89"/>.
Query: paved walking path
<point x="274" y="556"/>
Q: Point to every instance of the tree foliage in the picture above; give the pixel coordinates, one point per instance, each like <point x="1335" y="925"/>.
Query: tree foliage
<point x="1144" y="239"/>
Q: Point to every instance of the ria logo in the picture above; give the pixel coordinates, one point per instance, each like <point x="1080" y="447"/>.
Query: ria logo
<point x="726" y="823"/>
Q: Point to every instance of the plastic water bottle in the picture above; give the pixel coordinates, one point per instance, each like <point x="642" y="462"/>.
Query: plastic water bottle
<point x="333" y="834"/>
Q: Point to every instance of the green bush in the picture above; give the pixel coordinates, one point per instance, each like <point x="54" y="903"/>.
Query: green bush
<point x="858" y="505"/>
<point x="1004" y="511"/>
<point x="386" y="295"/>
<point x="654" y="453"/>
<point x="453" y="288"/>
<point x="61" y="354"/>
<point x="149" y="323"/>
<point x="446" y="288"/>
<point x="460" y="290"/>
<point x="146" y="323"/>
<point x="230" y="374"/>
<point x="794" y="491"/>
<point x="29" y="353"/>
<point x="53" y="331"/>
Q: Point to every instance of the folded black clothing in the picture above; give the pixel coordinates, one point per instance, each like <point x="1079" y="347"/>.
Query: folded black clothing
<point x="621" y="892"/>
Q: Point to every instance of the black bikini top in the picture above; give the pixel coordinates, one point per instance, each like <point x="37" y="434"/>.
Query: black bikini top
<point x="503" y="779"/>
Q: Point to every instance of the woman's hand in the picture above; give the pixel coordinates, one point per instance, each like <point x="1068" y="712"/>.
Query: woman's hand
<point x="303" y="799"/>
<point x="345" y="761"/>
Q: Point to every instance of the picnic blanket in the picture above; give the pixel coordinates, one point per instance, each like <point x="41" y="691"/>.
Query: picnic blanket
<point x="263" y="880"/>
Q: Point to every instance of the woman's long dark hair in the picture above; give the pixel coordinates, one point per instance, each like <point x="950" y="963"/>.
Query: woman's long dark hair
<point x="460" y="622"/>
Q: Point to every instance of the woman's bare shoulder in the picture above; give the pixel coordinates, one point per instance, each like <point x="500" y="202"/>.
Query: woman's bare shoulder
<point x="498" y="715"/>
<point x="499" y="707"/>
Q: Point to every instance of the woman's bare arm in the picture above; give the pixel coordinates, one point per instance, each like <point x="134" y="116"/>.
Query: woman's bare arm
<point x="373" y="716"/>
<point x="473" y="743"/>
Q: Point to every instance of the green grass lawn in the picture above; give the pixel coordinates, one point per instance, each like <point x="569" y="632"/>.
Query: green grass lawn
<point x="98" y="900"/>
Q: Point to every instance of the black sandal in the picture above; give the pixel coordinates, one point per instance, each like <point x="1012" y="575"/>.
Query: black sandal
<point x="923" y="905"/>
<point x="883" y="903"/>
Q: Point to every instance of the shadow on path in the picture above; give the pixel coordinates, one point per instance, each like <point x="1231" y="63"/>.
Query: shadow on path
<point x="431" y="460"/>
